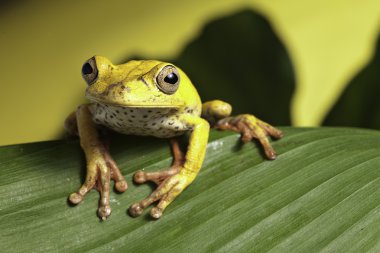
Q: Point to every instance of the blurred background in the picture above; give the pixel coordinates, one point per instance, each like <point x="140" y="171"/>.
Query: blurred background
<point x="301" y="63"/>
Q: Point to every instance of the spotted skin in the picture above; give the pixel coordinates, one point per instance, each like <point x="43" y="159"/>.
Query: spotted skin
<point x="158" y="122"/>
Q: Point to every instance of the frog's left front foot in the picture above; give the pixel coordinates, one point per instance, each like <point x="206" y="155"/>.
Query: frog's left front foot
<point x="170" y="184"/>
<point x="251" y="127"/>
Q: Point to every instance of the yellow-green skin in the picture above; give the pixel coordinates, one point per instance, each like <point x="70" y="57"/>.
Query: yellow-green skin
<point x="141" y="92"/>
<point x="127" y="98"/>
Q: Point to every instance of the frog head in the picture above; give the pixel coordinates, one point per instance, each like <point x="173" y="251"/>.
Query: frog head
<point x="145" y="83"/>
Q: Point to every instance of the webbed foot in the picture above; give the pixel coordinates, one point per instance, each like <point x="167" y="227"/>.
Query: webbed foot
<point x="101" y="168"/>
<point x="251" y="127"/>
<point x="170" y="184"/>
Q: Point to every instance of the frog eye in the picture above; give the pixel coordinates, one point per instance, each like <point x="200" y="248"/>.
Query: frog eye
<point x="90" y="71"/>
<point x="168" y="79"/>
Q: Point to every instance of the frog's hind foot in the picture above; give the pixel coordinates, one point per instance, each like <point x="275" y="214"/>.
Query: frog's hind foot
<point x="251" y="127"/>
<point x="169" y="184"/>
<point x="158" y="177"/>
<point x="100" y="171"/>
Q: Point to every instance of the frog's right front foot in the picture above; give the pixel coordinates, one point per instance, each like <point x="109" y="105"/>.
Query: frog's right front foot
<point x="101" y="168"/>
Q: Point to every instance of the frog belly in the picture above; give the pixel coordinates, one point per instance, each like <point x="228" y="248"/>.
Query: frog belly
<point x="158" y="122"/>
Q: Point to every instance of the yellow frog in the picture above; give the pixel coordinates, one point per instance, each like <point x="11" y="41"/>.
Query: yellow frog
<point x="150" y="98"/>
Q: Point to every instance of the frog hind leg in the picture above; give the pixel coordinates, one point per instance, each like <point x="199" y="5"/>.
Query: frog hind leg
<point x="218" y="114"/>
<point x="183" y="171"/>
<point x="159" y="176"/>
<point x="101" y="168"/>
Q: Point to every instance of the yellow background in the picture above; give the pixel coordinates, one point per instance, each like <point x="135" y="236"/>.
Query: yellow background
<point x="44" y="43"/>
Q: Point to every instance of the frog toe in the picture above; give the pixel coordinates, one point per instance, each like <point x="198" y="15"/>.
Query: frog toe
<point x="136" y="209"/>
<point x="157" y="177"/>
<point x="104" y="212"/>
<point x="75" y="198"/>
<point x="156" y="212"/>
<point x="121" y="186"/>
<point x="139" y="177"/>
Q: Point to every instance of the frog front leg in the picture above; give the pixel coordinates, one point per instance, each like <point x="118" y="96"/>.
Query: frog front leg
<point x="218" y="114"/>
<point x="174" y="184"/>
<point x="101" y="168"/>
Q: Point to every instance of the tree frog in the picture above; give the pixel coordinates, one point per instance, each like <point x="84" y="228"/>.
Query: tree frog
<point x="149" y="97"/>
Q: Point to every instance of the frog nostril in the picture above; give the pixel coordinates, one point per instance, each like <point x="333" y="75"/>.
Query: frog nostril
<point x="87" y="69"/>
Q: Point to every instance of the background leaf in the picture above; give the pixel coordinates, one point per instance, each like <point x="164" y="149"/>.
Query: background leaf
<point x="240" y="59"/>
<point x="359" y="105"/>
<point x="322" y="194"/>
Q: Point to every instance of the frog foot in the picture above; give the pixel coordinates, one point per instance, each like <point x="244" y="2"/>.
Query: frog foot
<point x="170" y="184"/>
<point x="165" y="193"/>
<point x="251" y="127"/>
<point x="101" y="168"/>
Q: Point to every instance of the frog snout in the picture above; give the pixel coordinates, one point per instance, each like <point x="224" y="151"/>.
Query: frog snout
<point x="90" y="71"/>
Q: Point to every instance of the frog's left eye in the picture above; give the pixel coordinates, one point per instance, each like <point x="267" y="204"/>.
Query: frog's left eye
<point x="168" y="79"/>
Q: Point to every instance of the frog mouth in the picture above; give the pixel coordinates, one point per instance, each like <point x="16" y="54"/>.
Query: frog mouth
<point x="132" y="104"/>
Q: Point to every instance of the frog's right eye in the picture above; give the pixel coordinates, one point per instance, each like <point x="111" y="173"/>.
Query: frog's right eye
<point x="90" y="71"/>
<point x="168" y="79"/>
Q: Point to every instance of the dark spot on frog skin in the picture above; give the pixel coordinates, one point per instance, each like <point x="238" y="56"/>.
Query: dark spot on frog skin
<point x="177" y="127"/>
<point x="149" y="111"/>
<point x="130" y="120"/>
<point x="171" y="123"/>
<point x="143" y="80"/>
<point x="107" y="90"/>
<point x="128" y="89"/>
<point x="145" y="116"/>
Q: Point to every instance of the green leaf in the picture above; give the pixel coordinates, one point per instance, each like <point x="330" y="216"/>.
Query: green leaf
<point x="322" y="194"/>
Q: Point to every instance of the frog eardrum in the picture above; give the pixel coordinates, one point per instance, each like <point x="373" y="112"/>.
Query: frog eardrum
<point x="168" y="79"/>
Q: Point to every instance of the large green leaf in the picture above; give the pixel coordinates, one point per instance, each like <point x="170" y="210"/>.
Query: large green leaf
<point x="321" y="194"/>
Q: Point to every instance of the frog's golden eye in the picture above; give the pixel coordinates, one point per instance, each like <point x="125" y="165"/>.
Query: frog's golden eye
<point x="168" y="79"/>
<point x="90" y="71"/>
